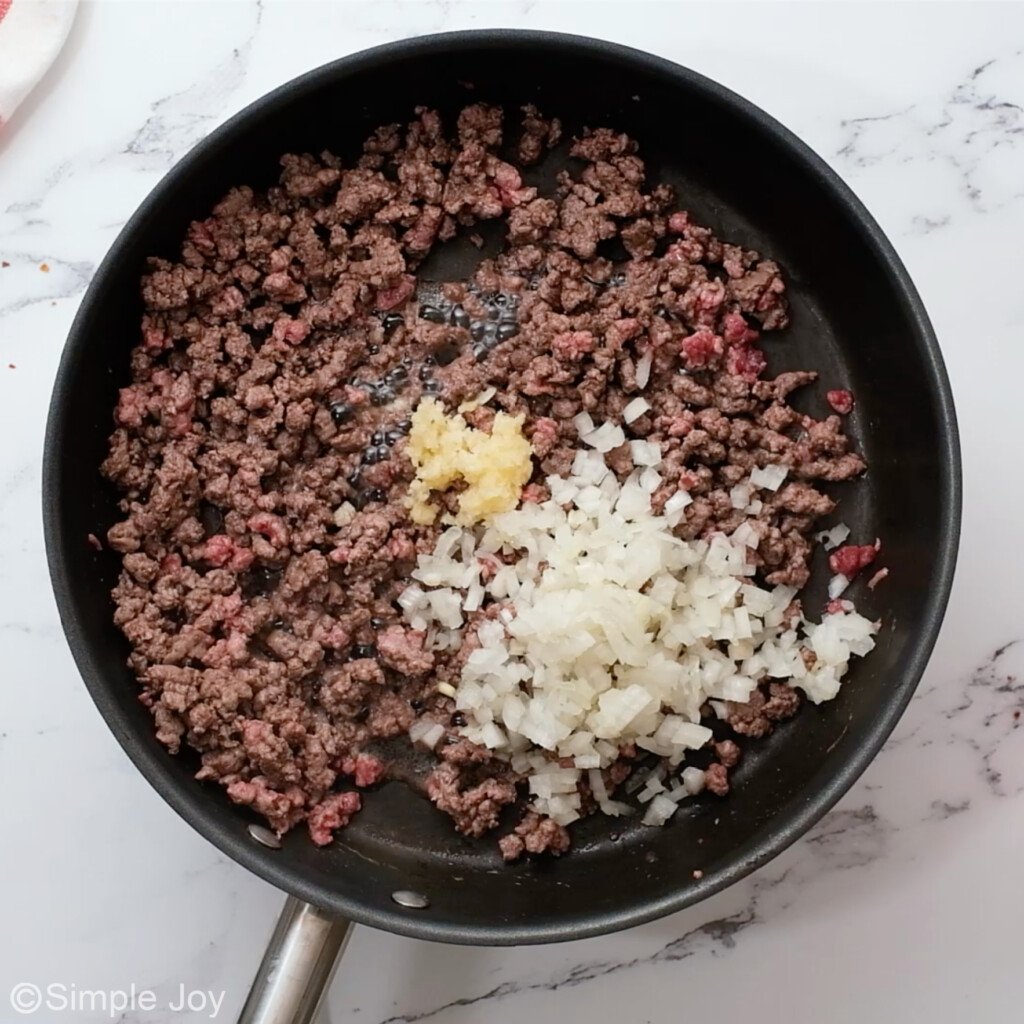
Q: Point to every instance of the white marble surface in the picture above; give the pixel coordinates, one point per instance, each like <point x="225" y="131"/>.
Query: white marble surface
<point x="905" y="903"/>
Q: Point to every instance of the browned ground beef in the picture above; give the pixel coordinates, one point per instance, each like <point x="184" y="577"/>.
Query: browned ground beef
<point x="281" y="358"/>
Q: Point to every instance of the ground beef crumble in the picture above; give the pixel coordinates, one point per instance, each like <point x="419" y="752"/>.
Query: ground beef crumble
<point x="259" y="446"/>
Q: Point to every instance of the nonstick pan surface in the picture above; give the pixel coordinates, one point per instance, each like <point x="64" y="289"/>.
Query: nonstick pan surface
<point x="857" y="319"/>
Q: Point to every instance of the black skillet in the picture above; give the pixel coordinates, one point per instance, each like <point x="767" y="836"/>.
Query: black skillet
<point x="856" y="318"/>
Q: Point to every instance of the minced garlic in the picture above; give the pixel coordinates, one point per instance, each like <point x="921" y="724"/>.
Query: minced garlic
<point x="444" y="449"/>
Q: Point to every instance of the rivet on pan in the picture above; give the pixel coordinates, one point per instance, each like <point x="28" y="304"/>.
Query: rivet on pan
<point x="412" y="900"/>
<point x="265" y="837"/>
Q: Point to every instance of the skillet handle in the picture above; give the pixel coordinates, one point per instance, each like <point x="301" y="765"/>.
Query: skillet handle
<point x="297" y="966"/>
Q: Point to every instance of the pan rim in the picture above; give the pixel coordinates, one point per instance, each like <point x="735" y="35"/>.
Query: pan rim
<point x="791" y="823"/>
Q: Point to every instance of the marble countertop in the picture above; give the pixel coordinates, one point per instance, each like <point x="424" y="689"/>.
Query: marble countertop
<point x="903" y="904"/>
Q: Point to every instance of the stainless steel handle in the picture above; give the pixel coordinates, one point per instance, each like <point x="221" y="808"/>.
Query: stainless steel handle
<point x="297" y="967"/>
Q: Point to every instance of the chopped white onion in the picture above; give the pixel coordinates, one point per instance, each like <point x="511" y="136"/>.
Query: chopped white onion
<point x="661" y="808"/>
<point x="645" y="453"/>
<point x="635" y="409"/>
<point x="344" y="514"/>
<point x="426" y="732"/>
<point x="834" y="537"/>
<point x="584" y="423"/>
<point x="606" y="437"/>
<point x="643" y="369"/>
<point x="770" y="477"/>
<point x="650" y="480"/>
<point x="739" y="496"/>
<point x="474" y="597"/>
<point x="693" y="780"/>
<point x="677" y="502"/>
<point x="611" y="630"/>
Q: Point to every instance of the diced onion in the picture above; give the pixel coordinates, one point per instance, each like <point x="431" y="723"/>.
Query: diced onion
<point x="643" y="369"/>
<point x="834" y="537"/>
<point x="769" y="478"/>
<point x="584" y="423"/>
<point x="645" y="453"/>
<point x="661" y="808"/>
<point x="693" y="780"/>
<point x="604" y="628"/>
<point x="635" y="409"/>
<point x="677" y="502"/>
<point x="426" y="732"/>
